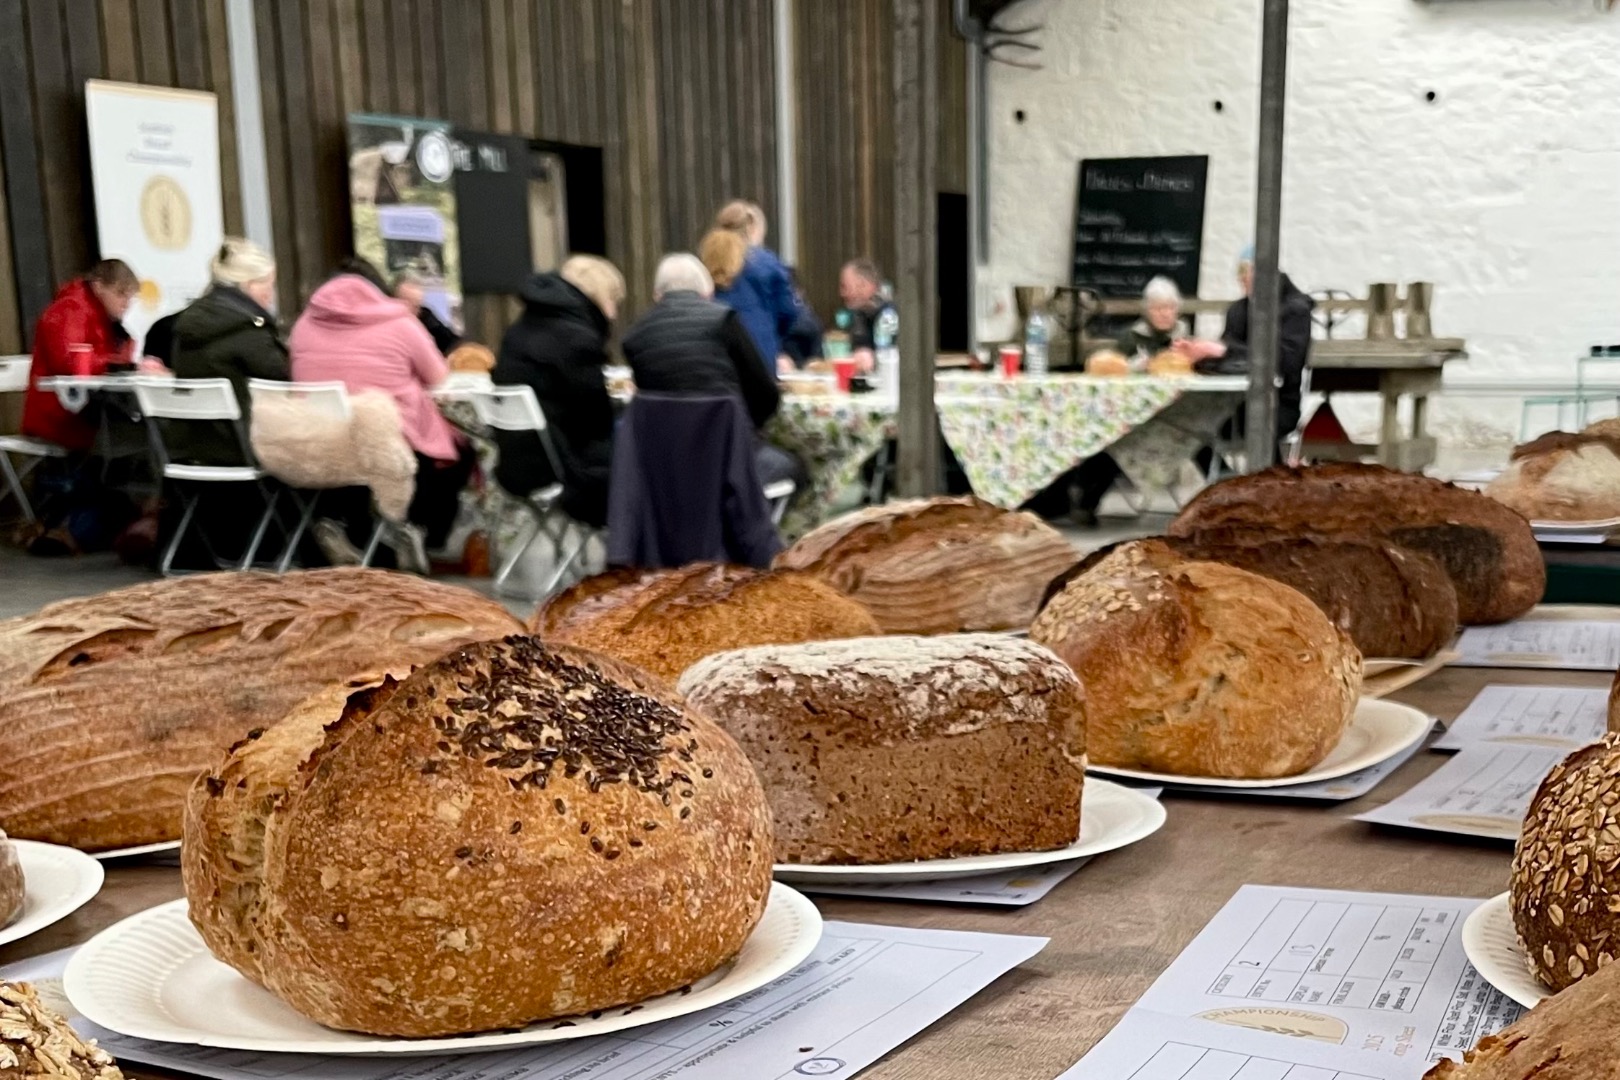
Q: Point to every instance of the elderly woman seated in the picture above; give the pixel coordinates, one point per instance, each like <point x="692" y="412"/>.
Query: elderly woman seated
<point x="1160" y="326"/>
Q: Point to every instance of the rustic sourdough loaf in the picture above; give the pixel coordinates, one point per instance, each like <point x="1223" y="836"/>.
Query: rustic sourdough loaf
<point x="1562" y="477"/>
<point x="12" y="886"/>
<point x="667" y="620"/>
<point x="111" y="705"/>
<point x="1486" y="548"/>
<point x="902" y="748"/>
<point x="1574" y="1035"/>
<point x="36" y="1043"/>
<point x="1566" y="871"/>
<point x="896" y="559"/>
<point x="1201" y="669"/>
<point x="515" y="832"/>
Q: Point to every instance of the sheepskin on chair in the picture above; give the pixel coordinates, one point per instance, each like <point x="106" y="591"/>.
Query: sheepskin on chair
<point x="309" y="450"/>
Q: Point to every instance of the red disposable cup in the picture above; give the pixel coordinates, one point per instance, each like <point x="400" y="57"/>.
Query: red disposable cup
<point x="844" y="369"/>
<point x="1011" y="355"/>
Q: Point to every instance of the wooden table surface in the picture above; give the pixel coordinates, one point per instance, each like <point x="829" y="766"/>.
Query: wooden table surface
<point x="1117" y="923"/>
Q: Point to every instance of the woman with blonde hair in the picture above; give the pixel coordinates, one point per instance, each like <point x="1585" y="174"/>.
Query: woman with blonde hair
<point x="724" y="254"/>
<point x="761" y="293"/>
<point x="558" y="347"/>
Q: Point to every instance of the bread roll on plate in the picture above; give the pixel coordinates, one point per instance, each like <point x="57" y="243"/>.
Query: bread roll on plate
<point x="513" y="833"/>
<point x="1201" y="669"/>
<point x="1107" y="362"/>
<point x="13" y="888"/>
<point x="1562" y="477"/>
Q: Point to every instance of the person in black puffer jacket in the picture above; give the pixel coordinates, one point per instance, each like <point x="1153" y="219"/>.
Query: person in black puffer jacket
<point x="558" y="347"/>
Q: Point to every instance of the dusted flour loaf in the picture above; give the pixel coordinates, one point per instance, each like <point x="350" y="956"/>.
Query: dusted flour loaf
<point x="513" y="833"/>
<point x="936" y="566"/>
<point x="1566" y="871"/>
<point x="1201" y="669"/>
<point x="897" y="749"/>
<point x="1486" y="548"/>
<point x="111" y="705"/>
<point x="12" y="886"/>
<point x="37" y="1044"/>
<point x="1562" y="477"/>
<point x="1574" y="1035"/>
<point x="666" y="620"/>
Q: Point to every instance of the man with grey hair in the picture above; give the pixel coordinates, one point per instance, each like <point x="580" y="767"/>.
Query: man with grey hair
<point x="682" y="272"/>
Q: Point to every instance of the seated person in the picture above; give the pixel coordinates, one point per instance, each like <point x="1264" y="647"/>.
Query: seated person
<point x="860" y="286"/>
<point x="80" y="333"/>
<point x="1160" y="326"/>
<point x="558" y="347"/>
<point x="688" y="344"/>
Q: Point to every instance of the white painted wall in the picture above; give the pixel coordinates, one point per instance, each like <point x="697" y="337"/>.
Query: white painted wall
<point x="1505" y="191"/>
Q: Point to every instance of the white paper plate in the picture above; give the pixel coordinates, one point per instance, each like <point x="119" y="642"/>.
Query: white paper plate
<point x="59" y="881"/>
<point x="1382" y="677"/>
<point x="1492" y="946"/>
<point x="136" y="852"/>
<point x="1111" y="816"/>
<point x="151" y="977"/>
<point x="1599" y="525"/>
<point x="1377" y="732"/>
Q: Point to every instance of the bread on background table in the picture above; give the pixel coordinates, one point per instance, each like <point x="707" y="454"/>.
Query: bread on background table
<point x="13" y="887"/>
<point x="936" y="566"/>
<point x="1562" y="477"/>
<point x="1565" y="889"/>
<point x="1201" y="669"/>
<point x="110" y="705"/>
<point x="1487" y="548"/>
<point x="1574" y="1035"/>
<point x="36" y="1043"/>
<point x="664" y="621"/>
<point x="897" y="749"/>
<point x="515" y="832"/>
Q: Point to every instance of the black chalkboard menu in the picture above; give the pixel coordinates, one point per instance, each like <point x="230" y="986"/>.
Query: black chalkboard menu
<point x="1138" y="218"/>
<point x="492" y="211"/>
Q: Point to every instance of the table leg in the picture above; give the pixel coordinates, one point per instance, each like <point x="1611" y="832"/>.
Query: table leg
<point x="1420" y="415"/>
<point x="1390" y="433"/>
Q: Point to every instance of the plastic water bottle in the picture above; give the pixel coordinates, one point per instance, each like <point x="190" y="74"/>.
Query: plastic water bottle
<point x="1036" y="339"/>
<point x="884" y="337"/>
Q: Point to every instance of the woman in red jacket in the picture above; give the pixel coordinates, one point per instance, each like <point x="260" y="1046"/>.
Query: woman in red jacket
<point x="79" y="334"/>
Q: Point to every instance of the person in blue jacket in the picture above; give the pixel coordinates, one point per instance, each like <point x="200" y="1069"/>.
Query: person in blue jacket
<point x="762" y="295"/>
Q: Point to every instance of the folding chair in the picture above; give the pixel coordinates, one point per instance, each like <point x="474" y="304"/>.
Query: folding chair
<point x="14" y="379"/>
<point x="191" y="400"/>
<point x="779" y="495"/>
<point x="329" y="399"/>
<point x="515" y="408"/>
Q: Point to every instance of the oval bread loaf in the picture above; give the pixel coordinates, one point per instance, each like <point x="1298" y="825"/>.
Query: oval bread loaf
<point x="111" y="705"/>
<point x="13" y="887"/>
<point x="514" y="833"/>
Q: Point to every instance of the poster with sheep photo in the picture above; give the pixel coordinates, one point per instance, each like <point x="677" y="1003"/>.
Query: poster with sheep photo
<point x="402" y="199"/>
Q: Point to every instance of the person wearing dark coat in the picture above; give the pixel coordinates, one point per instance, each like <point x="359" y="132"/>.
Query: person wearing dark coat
<point x="558" y="347"/>
<point x="228" y="333"/>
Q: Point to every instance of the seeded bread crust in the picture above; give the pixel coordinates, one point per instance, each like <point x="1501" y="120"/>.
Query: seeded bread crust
<point x="12" y="886"/>
<point x="1566" y="870"/>
<point x="1201" y="669"/>
<point x="897" y="559"/>
<point x="896" y="749"/>
<point x="666" y="620"/>
<point x="111" y="705"/>
<point x="1574" y="1035"/>
<point x="37" y="1044"/>
<point x="1486" y="547"/>
<point x="514" y="833"/>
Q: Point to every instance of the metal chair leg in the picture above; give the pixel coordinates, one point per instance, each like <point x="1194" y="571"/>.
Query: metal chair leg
<point x="306" y="517"/>
<point x="14" y="481"/>
<point x="375" y="542"/>
<point x="272" y="496"/>
<point x="190" y="504"/>
<point x="566" y="564"/>
<point x="509" y="563"/>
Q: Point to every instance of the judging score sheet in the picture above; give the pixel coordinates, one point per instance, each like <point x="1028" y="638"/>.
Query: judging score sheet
<point x="1562" y="717"/>
<point x="1570" y="644"/>
<point x="1483" y="791"/>
<point x="1372" y="972"/>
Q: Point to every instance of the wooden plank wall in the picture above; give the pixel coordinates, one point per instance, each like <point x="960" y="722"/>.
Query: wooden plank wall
<point x="678" y="93"/>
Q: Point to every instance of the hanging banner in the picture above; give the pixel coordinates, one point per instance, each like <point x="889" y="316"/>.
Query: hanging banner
<point x="402" y="200"/>
<point x="154" y="163"/>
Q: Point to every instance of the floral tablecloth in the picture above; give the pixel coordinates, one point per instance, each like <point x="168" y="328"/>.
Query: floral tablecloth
<point x="1012" y="437"/>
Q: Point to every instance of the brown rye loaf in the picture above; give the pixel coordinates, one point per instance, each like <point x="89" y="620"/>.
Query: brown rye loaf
<point x="897" y="749"/>
<point x="1486" y="547"/>
<point x="111" y="705"/>
<point x="514" y="833"/>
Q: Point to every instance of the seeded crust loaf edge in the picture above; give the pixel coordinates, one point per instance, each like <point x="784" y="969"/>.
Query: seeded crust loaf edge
<point x="36" y="1042"/>
<point x="12" y="885"/>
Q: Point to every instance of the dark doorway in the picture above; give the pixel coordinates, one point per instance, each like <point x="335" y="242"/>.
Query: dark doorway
<point x="955" y="272"/>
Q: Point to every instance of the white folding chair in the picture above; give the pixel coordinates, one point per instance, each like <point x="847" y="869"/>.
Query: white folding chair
<point x="197" y="400"/>
<point x="14" y="380"/>
<point x="515" y="408"/>
<point x="778" y="495"/>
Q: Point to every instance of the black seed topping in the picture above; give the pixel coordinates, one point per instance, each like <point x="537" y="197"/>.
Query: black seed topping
<point x="216" y="786"/>
<point x="708" y="774"/>
<point x="584" y="827"/>
<point x="613" y="853"/>
<point x="635" y="841"/>
<point x="686" y="812"/>
<point x="596" y="844"/>
<point x="562" y="807"/>
<point x="517" y="827"/>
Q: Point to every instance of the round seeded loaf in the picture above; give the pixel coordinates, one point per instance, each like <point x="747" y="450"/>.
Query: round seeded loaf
<point x="12" y="886"/>
<point x="36" y="1043"/>
<point x="515" y="832"/>
<point x="666" y="620"/>
<point x="1201" y="669"/>
<point x="1566" y="871"/>
<point x="895" y="749"/>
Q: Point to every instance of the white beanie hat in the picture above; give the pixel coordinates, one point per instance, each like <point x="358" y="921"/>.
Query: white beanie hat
<point x="240" y="261"/>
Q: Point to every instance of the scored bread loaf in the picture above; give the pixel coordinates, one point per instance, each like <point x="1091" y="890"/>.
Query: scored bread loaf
<point x="13" y="887"/>
<point x="516" y="832"/>
<point x="1562" y="477"/>
<point x="666" y="620"/>
<point x="936" y="566"/>
<point x="1201" y="669"/>
<point x="905" y="748"/>
<point x="37" y="1043"/>
<point x="111" y="705"/>
<point x="1574" y="1035"/>
<point x="1486" y="548"/>
<point x="1565" y="892"/>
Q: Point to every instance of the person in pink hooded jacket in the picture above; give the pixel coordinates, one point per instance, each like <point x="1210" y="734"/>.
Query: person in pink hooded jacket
<point x="353" y="332"/>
